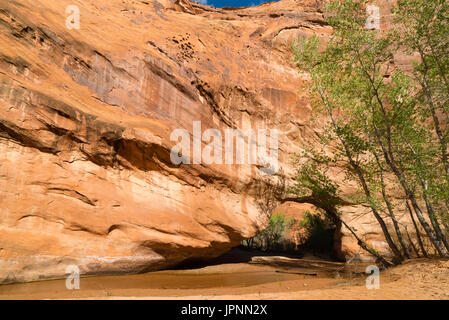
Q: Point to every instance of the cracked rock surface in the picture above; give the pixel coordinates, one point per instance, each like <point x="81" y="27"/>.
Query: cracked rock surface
<point x="86" y="117"/>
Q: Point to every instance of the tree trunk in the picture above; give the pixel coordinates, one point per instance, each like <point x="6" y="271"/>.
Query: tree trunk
<point x="431" y="212"/>
<point x="412" y="244"/>
<point x="390" y="208"/>
<point x="418" y="235"/>
<point x="390" y="160"/>
<point x="436" y="122"/>
<point x="434" y="221"/>
<point x="364" y="246"/>
<point x="398" y="256"/>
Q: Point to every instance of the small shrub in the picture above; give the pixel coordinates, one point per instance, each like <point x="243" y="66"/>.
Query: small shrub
<point x="273" y="237"/>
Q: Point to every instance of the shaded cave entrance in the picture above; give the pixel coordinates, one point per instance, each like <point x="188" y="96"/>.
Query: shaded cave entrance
<point x="298" y="229"/>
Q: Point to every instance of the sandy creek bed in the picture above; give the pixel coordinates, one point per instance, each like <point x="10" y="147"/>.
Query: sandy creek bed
<point x="262" y="277"/>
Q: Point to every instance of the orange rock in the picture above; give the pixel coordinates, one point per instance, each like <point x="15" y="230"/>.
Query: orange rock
<point x="85" y="122"/>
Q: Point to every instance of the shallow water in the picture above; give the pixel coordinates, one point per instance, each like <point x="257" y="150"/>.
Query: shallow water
<point x="266" y="273"/>
<point x="154" y="280"/>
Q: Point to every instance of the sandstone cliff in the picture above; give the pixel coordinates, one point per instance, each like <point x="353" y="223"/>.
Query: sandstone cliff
<point x="85" y="122"/>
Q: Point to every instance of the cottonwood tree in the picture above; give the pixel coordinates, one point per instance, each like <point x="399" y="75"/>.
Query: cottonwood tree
<point x="384" y="122"/>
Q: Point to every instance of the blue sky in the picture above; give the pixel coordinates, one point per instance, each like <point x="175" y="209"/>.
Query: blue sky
<point x="231" y="3"/>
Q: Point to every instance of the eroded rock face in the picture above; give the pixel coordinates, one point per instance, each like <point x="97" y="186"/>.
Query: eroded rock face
<point x="86" y="117"/>
<point x="85" y="124"/>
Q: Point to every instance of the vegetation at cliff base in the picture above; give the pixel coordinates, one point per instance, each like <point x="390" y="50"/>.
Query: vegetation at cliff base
<point x="319" y="232"/>
<point x="272" y="238"/>
<point x="387" y="125"/>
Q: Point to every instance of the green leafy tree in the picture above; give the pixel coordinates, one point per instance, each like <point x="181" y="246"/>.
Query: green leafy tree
<point x="273" y="236"/>
<point x="379" y="116"/>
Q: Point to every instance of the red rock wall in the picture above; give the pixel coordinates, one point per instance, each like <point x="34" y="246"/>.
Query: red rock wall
<point x="85" y="123"/>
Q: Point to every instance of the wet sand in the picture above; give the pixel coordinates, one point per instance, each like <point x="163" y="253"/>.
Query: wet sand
<point x="262" y="277"/>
